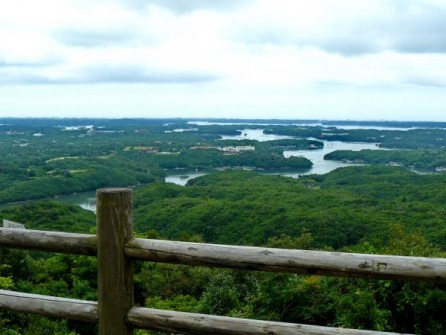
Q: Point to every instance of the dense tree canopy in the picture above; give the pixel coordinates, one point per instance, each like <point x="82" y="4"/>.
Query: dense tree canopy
<point x="366" y="209"/>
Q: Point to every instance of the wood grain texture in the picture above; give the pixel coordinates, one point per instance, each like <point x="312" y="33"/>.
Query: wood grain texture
<point x="115" y="271"/>
<point x="73" y="309"/>
<point x="179" y="322"/>
<point x="116" y="248"/>
<point x="70" y="243"/>
<point x="292" y="261"/>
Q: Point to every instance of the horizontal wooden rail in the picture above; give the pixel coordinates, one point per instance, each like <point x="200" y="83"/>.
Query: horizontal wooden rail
<point x="240" y="257"/>
<point x="292" y="261"/>
<point x="169" y="321"/>
<point x="73" y="309"/>
<point x="70" y="243"/>
<point x="156" y="319"/>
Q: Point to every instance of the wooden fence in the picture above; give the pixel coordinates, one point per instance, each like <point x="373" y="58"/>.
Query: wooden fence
<point x="116" y="249"/>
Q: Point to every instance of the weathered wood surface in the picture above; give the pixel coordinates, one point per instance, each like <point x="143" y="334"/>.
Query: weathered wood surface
<point x="73" y="309"/>
<point x="292" y="261"/>
<point x="115" y="271"/>
<point x="169" y="321"/>
<point x="71" y="243"/>
<point x="262" y="259"/>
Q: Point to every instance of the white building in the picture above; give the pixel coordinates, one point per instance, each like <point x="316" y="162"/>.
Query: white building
<point x="238" y="148"/>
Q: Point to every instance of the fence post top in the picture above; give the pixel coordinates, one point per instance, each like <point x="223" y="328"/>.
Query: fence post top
<point x="112" y="190"/>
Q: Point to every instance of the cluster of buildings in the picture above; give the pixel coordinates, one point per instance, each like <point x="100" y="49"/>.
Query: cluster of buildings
<point x="228" y="149"/>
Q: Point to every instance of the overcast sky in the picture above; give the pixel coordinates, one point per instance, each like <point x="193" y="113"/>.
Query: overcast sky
<point x="298" y="59"/>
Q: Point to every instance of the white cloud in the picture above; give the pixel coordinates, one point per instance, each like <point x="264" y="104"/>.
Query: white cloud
<point x="245" y="55"/>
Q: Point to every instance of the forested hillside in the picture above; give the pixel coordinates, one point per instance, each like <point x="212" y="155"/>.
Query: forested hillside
<point x="360" y="209"/>
<point x="340" y="209"/>
<point x="433" y="160"/>
<point x="366" y="209"/>
<point x="47" y="158"/>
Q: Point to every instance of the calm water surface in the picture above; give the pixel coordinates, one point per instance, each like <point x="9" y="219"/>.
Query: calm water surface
<point x="87" y="200"/>
<point x="314" y="124"/>
<point x="255" y="134"/>
<point x="182" y="179"/>
<point x="321" y="166"/>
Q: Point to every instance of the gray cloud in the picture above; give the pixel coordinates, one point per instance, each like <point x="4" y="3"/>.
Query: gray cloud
<point x="134" y="74"/>
<point x="425" y="81"/>
<point x="409" y="30"/>
<point x="270" y="34"/>
<point x="411" y="80"/>
<point x="111" y="74"/>
<point x="420" y="29"/>
<point x="90" y="39"/>
<point x="29" y="64"/>
<point x="421" y="40"/>
<point x="22" y="78"/>
<point x="423" y="44"/>
<point x="346" y="44"/>
<point x="186" y="6"/>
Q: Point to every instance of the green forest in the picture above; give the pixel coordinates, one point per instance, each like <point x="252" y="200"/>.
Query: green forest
<point x="372" y="207"/>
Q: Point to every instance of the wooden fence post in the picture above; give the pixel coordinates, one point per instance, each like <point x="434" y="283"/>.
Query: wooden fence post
<point x="115" y="272"/>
